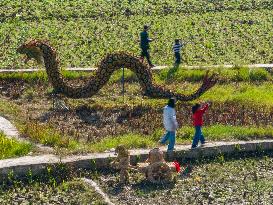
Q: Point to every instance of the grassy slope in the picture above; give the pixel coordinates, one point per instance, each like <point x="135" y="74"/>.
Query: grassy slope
<point x="249" y="92"/>
<point x="184" y="136"/>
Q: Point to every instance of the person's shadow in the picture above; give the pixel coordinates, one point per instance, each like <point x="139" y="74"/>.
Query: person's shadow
<point x="172" y="71"/>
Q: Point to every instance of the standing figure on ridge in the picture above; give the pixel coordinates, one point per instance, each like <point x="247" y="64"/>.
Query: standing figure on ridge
<point x="176" y="49"/>
<point x="144" y="45"/>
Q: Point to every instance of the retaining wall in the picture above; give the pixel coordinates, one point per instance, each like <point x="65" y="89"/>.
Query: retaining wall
<point x="99" y="161"/>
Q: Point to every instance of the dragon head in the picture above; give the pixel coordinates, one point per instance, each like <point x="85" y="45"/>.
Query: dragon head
<point x="32" y="51"/>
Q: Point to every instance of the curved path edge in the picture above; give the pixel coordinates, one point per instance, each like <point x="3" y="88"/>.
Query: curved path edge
<point x="95" y="186"/>
<point x="97" y="161"/>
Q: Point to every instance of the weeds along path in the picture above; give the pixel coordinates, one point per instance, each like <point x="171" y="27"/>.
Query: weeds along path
<point x="11" y="132"/>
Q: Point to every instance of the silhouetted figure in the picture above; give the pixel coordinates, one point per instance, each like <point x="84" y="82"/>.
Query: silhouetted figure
<point x="144" y="45"/>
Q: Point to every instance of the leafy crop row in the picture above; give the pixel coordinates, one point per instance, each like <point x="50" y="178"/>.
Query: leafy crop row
<point x="63" y="10"/>
<point x="232" y="36"/>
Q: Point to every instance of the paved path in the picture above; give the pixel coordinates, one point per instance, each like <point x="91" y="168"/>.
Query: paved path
<point x="21" y="165"/>
<point x="8" y="129"/>
<point x="90" y="69"/>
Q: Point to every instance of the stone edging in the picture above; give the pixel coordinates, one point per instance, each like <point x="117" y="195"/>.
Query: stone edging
<point x="21" y="166"/>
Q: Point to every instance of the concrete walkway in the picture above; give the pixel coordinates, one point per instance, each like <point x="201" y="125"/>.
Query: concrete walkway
<point x="90" y="69"/>
<point x="20" y="166"/>
<point x="8" y="129"/>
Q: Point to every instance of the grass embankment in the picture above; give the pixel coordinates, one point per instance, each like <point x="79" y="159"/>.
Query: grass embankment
<point x="184" y="136"/>
<point x="249" y="88"/>
<point x="47" y="135"/>
<point x="218" y="32"/>
<point x="225" y="75"/>
<point x="12" y="148"/>
<point x="179" y="74"/>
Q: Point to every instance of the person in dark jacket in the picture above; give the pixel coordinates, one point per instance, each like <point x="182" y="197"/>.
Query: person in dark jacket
<point x="198" y="112"/>
<point x="144" y="45"/>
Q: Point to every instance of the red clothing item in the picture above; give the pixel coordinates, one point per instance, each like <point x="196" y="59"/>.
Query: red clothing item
<point x="198" y="115"/>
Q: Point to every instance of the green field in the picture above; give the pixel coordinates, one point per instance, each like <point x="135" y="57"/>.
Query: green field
<point x="216" y="32"/>
<point x="220" y="32"/>
<point x="83" y="32"/>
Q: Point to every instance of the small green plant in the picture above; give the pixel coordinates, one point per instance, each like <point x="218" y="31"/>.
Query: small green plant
<point x="12" y="148"/>
<point x="259" y="75"/>
<point x="260" y="149"/>
<point x="220" y="158"/>
<point x="30" y="176"/>
<point x="237" y="147"/>
<point x="93" y="165"/>
<point x="47" y="135"/>
<point x="138" y="158"/>
<point x="30" y="93"/>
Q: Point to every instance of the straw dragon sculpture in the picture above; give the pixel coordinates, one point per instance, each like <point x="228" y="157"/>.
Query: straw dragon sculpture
<point x="42" y="52"/>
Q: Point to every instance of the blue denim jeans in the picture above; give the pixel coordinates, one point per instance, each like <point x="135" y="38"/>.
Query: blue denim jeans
<point x="170" y="135"/>
<point x="198" y="136"/>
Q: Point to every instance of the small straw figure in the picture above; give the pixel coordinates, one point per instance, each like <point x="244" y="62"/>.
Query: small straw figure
<point x="156" y="169"/>
<point x="155" y="155"/>
<point x="122" y="162"/>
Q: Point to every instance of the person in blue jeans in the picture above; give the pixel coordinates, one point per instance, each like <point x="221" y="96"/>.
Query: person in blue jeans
<point x="170" y="124"/>
<point x="198" y="112"/>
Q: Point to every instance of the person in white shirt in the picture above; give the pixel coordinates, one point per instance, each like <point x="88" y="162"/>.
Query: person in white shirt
<point x="170" y="124"/>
